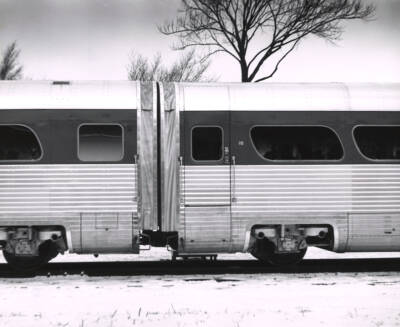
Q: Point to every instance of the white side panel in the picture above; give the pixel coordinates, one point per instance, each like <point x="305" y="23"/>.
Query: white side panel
<point x="76" y="95"/>
<point x="314" y="97"/>
<point x="384" y="97"/>
<point x="206" y="97"/>
<point x="290" y="97"/>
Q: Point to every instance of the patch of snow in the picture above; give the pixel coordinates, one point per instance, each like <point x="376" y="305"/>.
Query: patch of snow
<point x="156" y="254"/>
<point x="315" y="299"/>
<point x="344" y="299"/>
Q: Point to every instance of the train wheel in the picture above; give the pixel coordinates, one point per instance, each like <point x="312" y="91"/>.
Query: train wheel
<point x="266" y="253"/>
<point x="286" y="259"/>
<point x="29" y="264"/>
<point x="21" y="264"/>
<point x="48" y="250"/>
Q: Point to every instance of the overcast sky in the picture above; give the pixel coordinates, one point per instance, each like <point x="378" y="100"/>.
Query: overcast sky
<point x="92" y="39"/>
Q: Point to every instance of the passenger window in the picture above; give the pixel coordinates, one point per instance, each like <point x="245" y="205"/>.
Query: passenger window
<point x="296" y="143"/>
<point x="378" y="142"/>
<point x="100" y="142"/>
<point x="207" y="143"/>
<point x="18" y="143"/>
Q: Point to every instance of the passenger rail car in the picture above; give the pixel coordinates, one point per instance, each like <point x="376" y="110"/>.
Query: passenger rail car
<point x="270" y="169"/>
<point x="69" y="175"/>
<point x="274" y="168"/>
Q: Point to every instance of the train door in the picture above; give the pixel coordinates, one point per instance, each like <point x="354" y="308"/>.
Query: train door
<point x="206" y="185"/>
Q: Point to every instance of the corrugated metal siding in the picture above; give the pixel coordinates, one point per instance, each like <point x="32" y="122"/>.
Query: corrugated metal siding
<point x="67" y="188"/>
<point x="340" y="195"/>
<point x="318" y="188"/>
<point x="207" y="185"/>
<point x="69" y="195"/>
<point x="206" y="216"/>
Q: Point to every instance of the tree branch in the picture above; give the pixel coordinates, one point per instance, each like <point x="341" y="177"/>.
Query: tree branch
<point x="231" y="26"/>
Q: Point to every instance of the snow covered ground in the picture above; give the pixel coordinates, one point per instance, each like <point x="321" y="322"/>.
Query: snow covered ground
<point x="162" y="254"/>
<point x="307" y="299"/>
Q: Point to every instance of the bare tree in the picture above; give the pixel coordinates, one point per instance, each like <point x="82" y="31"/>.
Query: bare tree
<point x="189" y="68"/>
<point x="10" y="69"/>
<point x="256" y="31"/>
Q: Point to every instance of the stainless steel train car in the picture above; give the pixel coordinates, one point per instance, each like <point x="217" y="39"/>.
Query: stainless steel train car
<point x="274" y="168"/>
<point x="270" y="169"/>
<point x="78" y="168"/>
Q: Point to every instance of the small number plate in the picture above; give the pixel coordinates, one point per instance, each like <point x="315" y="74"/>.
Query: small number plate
<point x="289" y="244"/>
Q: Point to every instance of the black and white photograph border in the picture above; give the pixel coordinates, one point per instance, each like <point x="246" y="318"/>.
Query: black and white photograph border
<point x="199" y="163"/>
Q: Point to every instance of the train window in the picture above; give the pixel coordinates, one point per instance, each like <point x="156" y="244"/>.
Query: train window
<point x="296" y="143"/>
<point x="207" y="143"/>
<point x="100" y="142"/>
<point x="18" y="143"/>
<point x="378" y="142"/>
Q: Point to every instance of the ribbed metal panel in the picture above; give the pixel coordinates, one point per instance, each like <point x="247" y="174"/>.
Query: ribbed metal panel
<point x="96" y="203"/>
<point x="207" y="209"/>
<point x="67" y="188"/>
<point x="317" y="188"/>
<point x="358" y="201"/>
<point x="207" y="185"/>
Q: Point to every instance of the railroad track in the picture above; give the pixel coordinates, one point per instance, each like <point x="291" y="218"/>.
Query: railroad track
<point x="198" y="267"/>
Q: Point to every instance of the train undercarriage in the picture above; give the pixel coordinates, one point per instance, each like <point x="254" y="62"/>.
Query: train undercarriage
<point x="287" y="244"/>
<point x="27" y="248"/>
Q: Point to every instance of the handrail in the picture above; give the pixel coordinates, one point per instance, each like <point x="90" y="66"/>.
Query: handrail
<point x="136" y="160"/>
<point x="233" y="192"/>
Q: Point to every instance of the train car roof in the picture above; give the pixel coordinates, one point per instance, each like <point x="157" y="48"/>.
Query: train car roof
<point x="288" y="96"/>
<point x="69" y="95"/>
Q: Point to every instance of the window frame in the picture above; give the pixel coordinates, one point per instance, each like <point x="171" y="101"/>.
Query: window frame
<point x="100" y="161"/>
<point x="37" y="139"/>
<point x="222" y="144"/>
<point x="303" y="160"/>
<point x="358" y="148"/>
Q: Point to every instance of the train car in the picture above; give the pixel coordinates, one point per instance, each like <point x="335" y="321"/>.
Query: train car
<point x="77" y="168"/>
<point x="271" y="169"/>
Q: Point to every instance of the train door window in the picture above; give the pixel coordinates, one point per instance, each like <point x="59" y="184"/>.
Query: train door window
<point x="296" y="143"/>
<point x="207" y="143"/>
<point x="100" y="142"/>
<point x="378" y="142"/>
<point x="18" y="143"/>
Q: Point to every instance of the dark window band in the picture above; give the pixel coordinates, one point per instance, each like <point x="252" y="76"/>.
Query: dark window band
<point x="296" y="143"/>
<point x="18" y="143"/>
<point x="378" y="142"/>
